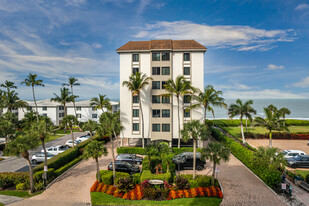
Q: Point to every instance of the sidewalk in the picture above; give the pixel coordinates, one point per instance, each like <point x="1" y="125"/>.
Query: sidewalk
<point x="5" y="199"/>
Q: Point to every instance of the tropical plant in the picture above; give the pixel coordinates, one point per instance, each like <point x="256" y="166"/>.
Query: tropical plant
<point x="20" y="146"/>
<point x="8" y="126"/>
<point x="12" y="101"/>
<point x="243" y="110"/>
<point x="179" y="88"/>
<point x="248" y="114"/>
<point x="181" y="183"/>
<point x="137" y="82"/>
<point x="101" y="103"/>
<point x="64" y="98"/>
<point x="32" y="81"/>
<point x="72" y="82"/>
<point x="95" y="150"/>
<point x="216" y="153"/>
<point x="69" y="121"/>
<point x="8" y="85"/>
<point x="284" y="111"/>
<point x="90" y="126"/>
<point x="196" y="131"/>
<point x="1" y="102"/>
<point x="269" y="157"/>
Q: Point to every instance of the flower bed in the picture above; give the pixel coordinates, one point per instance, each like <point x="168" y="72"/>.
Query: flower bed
<point x="278" y="135"/>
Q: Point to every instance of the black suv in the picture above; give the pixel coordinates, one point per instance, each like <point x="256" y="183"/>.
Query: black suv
<point x="124" y="167"/>
<point x="130" y="158"/>
<point x="299" y="161"/>
<point x="185" y="161"/>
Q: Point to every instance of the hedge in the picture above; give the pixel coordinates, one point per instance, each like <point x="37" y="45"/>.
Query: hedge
<point x="131" y="150"/>
<point x="106" y="177"/>
<point x="136" y="178"/>
<point x="146" y="163"/>
<point x="184" y="149"/>
<point x="37" y="177"/>
<point x="67" y="166"/>
<point x="10" y="179"/>
<point x="236" y="122"/>
<point x="278" y="135"/>
<point x="147" y="175"/>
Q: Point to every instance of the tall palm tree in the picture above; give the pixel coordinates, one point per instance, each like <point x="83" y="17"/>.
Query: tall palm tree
<point x="20" y="146"/>
<point x="1" y="101"/>
<point x="269" y="157"/>
<point x="101" y="102"/>
<point x="72" y="82"/>
<point x="69" y="121"/>
<point x="215" y="152"/>
<point x="137" y="82"/>
<point x="248" y="114"/>
<point x="32" y="81"/>
<point x="95" y="150"/>
<point x="271" y="121"/>
<point x="196" y="131"/>
<point x="12" y="101"/>
<point x="116" y="126"/>
<point x="284" y="111"/>
<point x="8" y="126"/>
<point x="210" y="97"/>
<point x="64" y="98"/>
<point x="179" y="88"/>
<point x="9" y="85"/>
<point x="90" y="126"/>
<point x="241" y="109"/>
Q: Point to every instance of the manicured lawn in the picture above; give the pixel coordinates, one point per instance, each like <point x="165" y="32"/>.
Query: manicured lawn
<point x="18" y="193"/>
<point x="100" y="198"/>
<point x="53" y="137"/>
<point x="61" y="131"/>
<point x="302" y="172"/>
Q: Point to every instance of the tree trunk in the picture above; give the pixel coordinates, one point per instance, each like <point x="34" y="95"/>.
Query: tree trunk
<point x="205" y="115"/>
<point x="270" y="139"/>
<point x="116" y="139"/>
<point x="142" y="116"/>
<point x="72" y="136"/>
<point x="113" y="159"/>
<point x="73" y="102"/>
<point x="98" y="170"/>
<point x="178" y="124"/>
<point x="30" y="175"/>
<point x="213" y="174"/>
<point x="194" y="157"/>
<point x="242" y="131"/>
<point x="64" y="112"/>
<point x="91" y="135"/>
<point x="246" y="124"/>
<point x="45" y="162"/>
<point x="36" y="106"/>
<point x="6" y="141"/>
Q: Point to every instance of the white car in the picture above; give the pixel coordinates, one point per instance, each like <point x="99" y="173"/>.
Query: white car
<point x="83" y="138"/>
<point x="70" y="143"/>
<point x="56" y="149"/>
<point x="291" y="153"/>
<point x="40" y="157"/>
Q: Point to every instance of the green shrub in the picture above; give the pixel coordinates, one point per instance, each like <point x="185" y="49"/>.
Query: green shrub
<point x="68" y="166"/>
<point x="121" y="175"/>
<point x="9" y="179"/>
<point x="181" y="183"/>
<point x="146" y="163"/>
<point x="172" y="167"/>
<point x="125" y="184"/>
<point x="154" y="161"/>
<point x="131" y="150"/>
<point x="106" y="177"/>
<point x="150" y="192"/>
<point x="193" y="183"/>
<point x="38" y="176"/>
<point x="146" y="175"/>
<point x="22" y="186"/>
<point x="136" y="178"/>
<point x="164" y="177"/>
<point x="38" y="186"/>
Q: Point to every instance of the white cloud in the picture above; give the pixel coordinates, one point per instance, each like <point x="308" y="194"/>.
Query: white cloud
<point x="304" y="83"/>
<point x="264" y="94"/>
<point x="97" y="45"/>
<point x="242" y="38"/>
<point x="232" y="86"/>
<point x="274" y="67"/>
<point x="302" y="6"/>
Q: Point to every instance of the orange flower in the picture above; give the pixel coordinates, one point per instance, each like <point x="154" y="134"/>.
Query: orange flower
<point x="174" y="194"/>
<point x="94" y="186"/>
<point x="207" y="192"/>
<point x="186" y="193"/>
<point x="193" y="192"/>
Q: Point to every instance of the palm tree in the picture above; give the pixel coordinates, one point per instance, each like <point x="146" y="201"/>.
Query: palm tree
<point x="8" y="85"/>
<point x="8" y="126"/>
<point x="101" y="102"/>
<point x="215" y="152"/>
<point x="137" y="82"/>
<point x="196" y="131"/>
<point x="269" y="157"/>
<point x="32" y="81"/>
<point x="241" y="109"/>
<point x="20" y="146"/>
<point x="95" y="150"/>
<point x="64" y="98"/>
<point x="179" y="88"/>
<point x="69" y="121"/>
<point x="116" y="125"/>
<point x="284" y="111"/>
<point x="90" y="126"/>
<point x="271" y="122"/>
<point x="248" y="114"/>
<point x="1" y="102"/>
<point x="12" y="101"/>
<point x="72" y="82"/>
<point x="210" y="97"/>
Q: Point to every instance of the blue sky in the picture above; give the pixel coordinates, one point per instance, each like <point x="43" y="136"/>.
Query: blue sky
<point x="256" y="49"/>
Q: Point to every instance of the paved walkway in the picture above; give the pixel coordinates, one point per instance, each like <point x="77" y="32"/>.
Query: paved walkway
<point x="9" y="199"/>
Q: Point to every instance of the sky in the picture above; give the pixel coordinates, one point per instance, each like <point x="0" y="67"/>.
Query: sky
<point x="257" y="49"/>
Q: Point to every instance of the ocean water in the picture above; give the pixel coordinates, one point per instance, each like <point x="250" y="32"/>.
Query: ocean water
<point x="299" y="108"/>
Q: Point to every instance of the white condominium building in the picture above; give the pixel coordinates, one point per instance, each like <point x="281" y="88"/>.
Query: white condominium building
<point x="161" y="60"/>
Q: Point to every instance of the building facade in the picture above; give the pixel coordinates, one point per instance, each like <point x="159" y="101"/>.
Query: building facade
<point x="162" y="60"/>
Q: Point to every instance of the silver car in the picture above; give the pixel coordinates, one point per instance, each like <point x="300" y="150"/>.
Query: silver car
<point x="40" y="157"/>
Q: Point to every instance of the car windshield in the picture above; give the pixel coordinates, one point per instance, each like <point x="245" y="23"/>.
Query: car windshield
<point x="297" y="157"/>
<point x="284" y="152"/>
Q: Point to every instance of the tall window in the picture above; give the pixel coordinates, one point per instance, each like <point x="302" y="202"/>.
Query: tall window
<point x="44" y="108"/>
<point x="135" y="113"/>
<point x="186" y="71"/>
<point x="155" y="99"/>
<point x="155" y="56"/>
<point x="135" y="70"/>
<point x="44" y="115"/>
<point x="186" y="99"/>
<point x="135" y="126"/>
<point x="155" y="113"/>
<point x="155" y="84"/>
<point x="165" y="71"/>
<point x="163" y="84"/>
<point x="165" y="56"/>
<point x="78" y="108"/>
<point x="165" y="113"/>
<point x="155" y="70"/>
<point x="165" y="127"/>
<point x="186" y="113"/>
<point x="165" y="99"/>
<point x="135" y="99"/>
<point x="186" y="56"/>
<point x="78" y="115"/>
<point x="135" y="57"/>
<point x="156" y="127"/>
<point x="93" y="109"/>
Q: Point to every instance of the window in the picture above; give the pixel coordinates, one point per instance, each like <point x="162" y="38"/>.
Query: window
<point x="165" y="127"/>
<point x="155" y="99"/>
<point x="165" y="71"/>
<point x="44" y="108"/>
<point x="163" y="84"/>
<point x="135" y="99"/>
<point x="186" y="99"/>
<point x="155" y="56"/>
<point x="155" y="84"/>
<point x="61" y="114"/>
<point x="135" y="70"/>
<point x="78" y="116"/>
<point x="155" y="113"/>
<point x="93" y="109"/>
<point x="186" y="56"/>
<point x="165" y="56"/>
<point x="155" y="70"/>
<point x="44" y="115"/>
<point x="135" y="113"/>
<point x="135" y="126"/>
<point x="186" y="113"/>
<point x="165" y="113"/>
<point x="156" y="127"/>
<point x="165" y="99"/>
<point x="78" y="108"/>
<point x="135" y="57"/>
<point x="186" y="71"/>
<point x="94" y="116"/>
<point x="61" y="107"/>
<point x="30" y="108"/>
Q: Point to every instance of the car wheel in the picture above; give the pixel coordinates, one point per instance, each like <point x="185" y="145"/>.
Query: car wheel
<point x="34" y="161"/>
<point x="199" y="168"/>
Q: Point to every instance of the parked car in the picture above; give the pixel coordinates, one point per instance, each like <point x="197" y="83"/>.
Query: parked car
<point x="185" y="161"/>
<point x="299" y="161"/>
<point x="130" y="158"/>
<point x="56" y="149"/>
<point x="70" y="143"/>
<point x="40" y="157"/>
<point x="124" y="167"/>
<point x="83" y="138"/>
<point x="291" y="153"/>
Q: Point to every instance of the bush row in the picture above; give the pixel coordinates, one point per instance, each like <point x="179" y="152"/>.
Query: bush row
<point x="200" y="180"/>
<point x="107" y="176"/>
<point x="10" y="179"/>
<point x="67" y="166"/>
<point x="142" y="151"/>
<point x="278" y="135"/>
<point x="236" y="122"/>
<point x="147" y="175"/>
